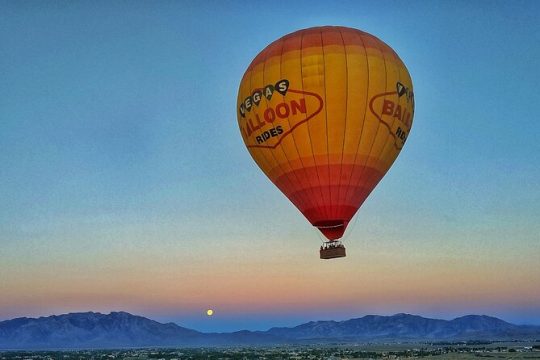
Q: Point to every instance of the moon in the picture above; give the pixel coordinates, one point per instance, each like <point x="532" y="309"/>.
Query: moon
<point x="209" y="312"/>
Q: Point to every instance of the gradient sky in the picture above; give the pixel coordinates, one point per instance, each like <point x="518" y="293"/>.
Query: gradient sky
<point x="125" y="184"/>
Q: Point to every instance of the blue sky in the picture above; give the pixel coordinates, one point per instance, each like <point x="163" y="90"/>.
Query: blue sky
<point x="122" y="163"/>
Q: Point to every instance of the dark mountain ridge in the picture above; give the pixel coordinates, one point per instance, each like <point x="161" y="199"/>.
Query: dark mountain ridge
<point x="89" y="329"/>
<point x="409" y="327"/>
<point x="121" y="329"/>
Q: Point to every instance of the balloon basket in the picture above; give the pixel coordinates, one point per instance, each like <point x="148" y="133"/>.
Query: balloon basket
<point x="332" y="250"/>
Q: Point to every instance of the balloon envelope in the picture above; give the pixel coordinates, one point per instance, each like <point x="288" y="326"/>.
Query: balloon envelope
<point x="324" y="112"/>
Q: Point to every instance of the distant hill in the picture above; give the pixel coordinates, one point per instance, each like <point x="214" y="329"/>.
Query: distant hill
<point x="405" y="327"/>
<point x="117" y="329"/>
<point x="90" y="330"/>
<point x="121" y="329"/>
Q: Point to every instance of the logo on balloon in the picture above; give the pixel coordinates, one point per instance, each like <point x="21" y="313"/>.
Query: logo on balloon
<point x="395" y="111"/>
<point x="272" y="112"/>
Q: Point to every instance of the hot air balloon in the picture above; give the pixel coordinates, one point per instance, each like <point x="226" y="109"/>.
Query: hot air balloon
<point x="324" y="112"/>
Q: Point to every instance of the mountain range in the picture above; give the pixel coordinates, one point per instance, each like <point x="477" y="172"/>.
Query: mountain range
<point x="121" y="329"/>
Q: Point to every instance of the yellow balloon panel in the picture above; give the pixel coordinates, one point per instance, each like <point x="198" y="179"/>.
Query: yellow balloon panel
<point x="324" y="112"/>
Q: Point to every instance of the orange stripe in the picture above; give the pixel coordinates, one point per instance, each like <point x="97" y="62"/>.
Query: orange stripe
<point x="312" y="38"/>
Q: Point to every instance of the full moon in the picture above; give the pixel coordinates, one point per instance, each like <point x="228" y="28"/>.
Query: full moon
<point x="209" y="312"/>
